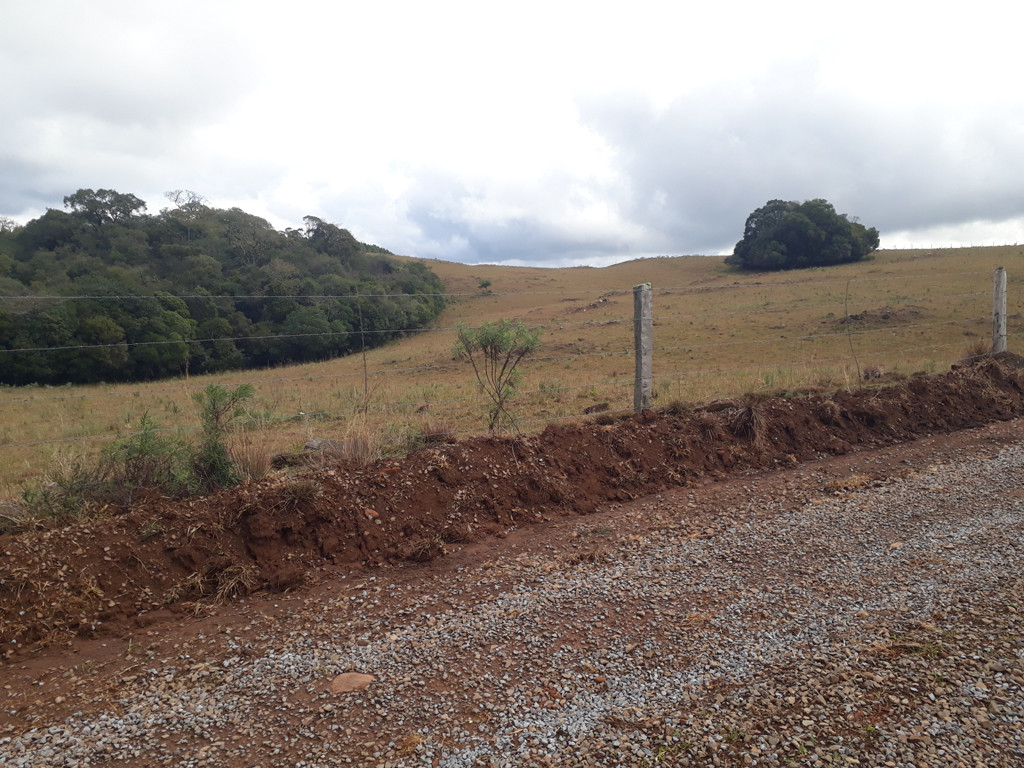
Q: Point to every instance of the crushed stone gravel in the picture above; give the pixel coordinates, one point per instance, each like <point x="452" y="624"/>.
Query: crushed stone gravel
<point x="871" y="622"/>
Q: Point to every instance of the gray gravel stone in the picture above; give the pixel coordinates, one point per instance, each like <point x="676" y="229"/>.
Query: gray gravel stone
<point x="872" y="626"/>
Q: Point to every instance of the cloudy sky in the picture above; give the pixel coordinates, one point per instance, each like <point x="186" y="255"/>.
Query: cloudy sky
<point x="529" y="132"/>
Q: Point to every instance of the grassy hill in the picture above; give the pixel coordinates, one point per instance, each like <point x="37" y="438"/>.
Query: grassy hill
<point x="718" y="333"/>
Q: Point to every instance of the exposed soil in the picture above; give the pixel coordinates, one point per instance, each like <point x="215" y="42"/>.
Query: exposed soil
<point x="122" y="570"/>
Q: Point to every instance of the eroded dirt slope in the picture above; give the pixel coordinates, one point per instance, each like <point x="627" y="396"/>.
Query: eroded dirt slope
<point x="134" y="568"/>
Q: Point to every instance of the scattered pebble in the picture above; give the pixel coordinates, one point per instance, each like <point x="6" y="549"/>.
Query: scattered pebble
<point x="875" y="625"/>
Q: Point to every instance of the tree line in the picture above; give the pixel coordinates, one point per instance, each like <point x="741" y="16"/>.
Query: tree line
<point x="191" y="289"/>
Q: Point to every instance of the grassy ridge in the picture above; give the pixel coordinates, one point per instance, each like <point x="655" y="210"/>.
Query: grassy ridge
<point x="718" y="333"/>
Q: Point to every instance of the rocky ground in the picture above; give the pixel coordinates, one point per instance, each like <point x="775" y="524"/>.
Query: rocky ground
<point x="854" y="609"/>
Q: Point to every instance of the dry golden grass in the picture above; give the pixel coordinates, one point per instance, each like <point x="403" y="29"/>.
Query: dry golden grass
<point x="247" y="448"/>
<point x="718" y="333"/>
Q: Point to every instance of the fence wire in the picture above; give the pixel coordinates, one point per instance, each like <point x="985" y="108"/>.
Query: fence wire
<point x="553" y="378"/>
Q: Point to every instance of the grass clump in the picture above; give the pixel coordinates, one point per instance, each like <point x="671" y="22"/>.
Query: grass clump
<point x="976" y="350"/>
<point x="147" y="460"/>
<point x="710" y="426"/>
<point x="299" y="491"/>
<point x="751" y="421"/>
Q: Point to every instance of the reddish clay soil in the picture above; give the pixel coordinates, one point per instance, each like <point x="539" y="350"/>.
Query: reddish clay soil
<point x="126" y="569"/>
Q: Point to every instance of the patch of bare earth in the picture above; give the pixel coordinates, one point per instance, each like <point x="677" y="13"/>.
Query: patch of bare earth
<point x="122" y="570"/>
<point x="171" y="616"/>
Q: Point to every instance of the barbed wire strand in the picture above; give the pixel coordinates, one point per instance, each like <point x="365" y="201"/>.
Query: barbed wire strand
<point x="322" y="415"/>
<point x="804" y="307"/>
<point x="887" y="329"/>
<point x="548" y="358"/>
<point x="482" y="294"/>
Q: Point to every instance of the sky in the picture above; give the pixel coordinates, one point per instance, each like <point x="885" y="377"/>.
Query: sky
<point x="537" y="133"/>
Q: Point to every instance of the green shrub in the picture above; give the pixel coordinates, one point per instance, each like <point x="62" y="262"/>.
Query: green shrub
<point x="217" y="408"/>
<point x="495" y="351"/>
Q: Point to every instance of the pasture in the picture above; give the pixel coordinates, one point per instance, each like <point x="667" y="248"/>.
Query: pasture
<point x="718" y="333"/>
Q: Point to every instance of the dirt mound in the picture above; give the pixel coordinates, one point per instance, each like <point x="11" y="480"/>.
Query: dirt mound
<point x="125" y="569"/>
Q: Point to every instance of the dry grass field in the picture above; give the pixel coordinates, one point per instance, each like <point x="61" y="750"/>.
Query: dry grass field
<point x="718" y="333"/>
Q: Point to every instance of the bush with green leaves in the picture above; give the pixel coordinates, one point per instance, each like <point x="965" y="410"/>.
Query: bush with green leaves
<point x="150" y="459"/>
<point x="217" y="408"/>
<point x="495" y="351"/>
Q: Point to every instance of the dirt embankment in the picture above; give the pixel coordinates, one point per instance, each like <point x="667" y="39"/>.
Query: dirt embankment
<point x="132" y="568"/>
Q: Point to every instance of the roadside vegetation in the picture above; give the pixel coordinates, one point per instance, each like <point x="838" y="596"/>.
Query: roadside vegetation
<point x="144" y="461"/>
<point x="495" y="350"/>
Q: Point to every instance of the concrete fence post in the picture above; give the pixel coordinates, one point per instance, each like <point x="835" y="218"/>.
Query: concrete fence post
<point x="643" y="340"/>
<point x="999" y="312"/>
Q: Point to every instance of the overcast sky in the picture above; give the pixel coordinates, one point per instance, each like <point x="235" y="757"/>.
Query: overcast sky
<point x="545" y="133"/>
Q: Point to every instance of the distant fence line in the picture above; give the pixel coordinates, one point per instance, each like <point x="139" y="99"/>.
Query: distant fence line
<point x="643" y="351"/>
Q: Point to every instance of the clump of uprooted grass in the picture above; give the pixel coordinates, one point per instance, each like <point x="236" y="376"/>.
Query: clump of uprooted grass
<point x="426" y="548"/>
<point x="829" y="412"/>
<point x="15" y="518"/>
<point x="299" y="491"/>
<point x="236" y="581"/>
<point x="710" y="426"/>
<point x="750" y="419"/>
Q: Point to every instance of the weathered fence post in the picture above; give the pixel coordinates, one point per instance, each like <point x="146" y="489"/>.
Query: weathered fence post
<point x="999" y="312"/>
<point x="643" y="340"/>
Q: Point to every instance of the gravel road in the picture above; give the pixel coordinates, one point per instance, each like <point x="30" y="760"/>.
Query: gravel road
<point x="861" y="611"/>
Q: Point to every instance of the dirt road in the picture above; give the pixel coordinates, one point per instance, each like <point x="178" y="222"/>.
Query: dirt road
<point x="855" y="610"/>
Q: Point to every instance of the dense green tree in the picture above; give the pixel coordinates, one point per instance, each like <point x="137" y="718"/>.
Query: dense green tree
<point x="789" y="235"/>
<point x="250" y="295"/>
<point x="104" y="206"/>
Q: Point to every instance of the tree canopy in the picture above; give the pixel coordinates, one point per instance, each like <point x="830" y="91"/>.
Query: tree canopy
<point x="106" y="292"/>
<point x="790" y="235"/>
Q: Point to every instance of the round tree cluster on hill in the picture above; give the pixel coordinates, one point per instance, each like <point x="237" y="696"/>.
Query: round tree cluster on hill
<point x="788" y="235"/>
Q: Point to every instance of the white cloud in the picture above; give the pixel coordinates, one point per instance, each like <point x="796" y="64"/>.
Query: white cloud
<point x="536" y="132"/>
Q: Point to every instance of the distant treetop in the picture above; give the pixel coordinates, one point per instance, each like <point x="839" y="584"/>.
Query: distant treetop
<point x="788" y="235"/>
